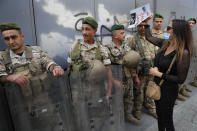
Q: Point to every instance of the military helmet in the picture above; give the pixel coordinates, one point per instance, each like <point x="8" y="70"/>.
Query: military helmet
<point x="96" y="72"/>
<point x="131" y="59"/>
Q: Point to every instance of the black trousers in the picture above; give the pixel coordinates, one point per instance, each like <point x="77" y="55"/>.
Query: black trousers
<point x="165" y="115"/>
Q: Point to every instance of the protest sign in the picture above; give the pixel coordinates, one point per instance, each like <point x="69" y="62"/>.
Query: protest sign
<point x="138" y="15"/>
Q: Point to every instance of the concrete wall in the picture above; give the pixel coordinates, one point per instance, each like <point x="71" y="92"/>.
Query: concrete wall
<point x="51" y="23"/>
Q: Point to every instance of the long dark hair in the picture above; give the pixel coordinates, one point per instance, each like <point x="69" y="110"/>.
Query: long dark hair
<point x="182" y="38"/>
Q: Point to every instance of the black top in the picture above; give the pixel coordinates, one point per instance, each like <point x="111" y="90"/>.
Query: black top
<point x="179" y="70"/>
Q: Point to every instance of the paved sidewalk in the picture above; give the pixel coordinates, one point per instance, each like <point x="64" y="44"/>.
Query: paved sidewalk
<point x="185" y="116"/>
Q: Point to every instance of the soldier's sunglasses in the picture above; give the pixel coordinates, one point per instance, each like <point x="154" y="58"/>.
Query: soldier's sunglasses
<point x="141" y="26"/>
<point x="169" y="28"/>
<point x="13" y="37"/>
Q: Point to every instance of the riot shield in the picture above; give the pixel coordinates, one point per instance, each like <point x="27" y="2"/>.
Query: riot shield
<point x="79" y="110"/>
<point x="92" y="111"/>
<point x="192" y="74"/>
<point x="43" y="105"/>
<point x="117" y="99"/>
<point x="5" y="119"/>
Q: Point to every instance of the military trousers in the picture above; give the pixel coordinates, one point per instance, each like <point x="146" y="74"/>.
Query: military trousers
<point x="140" y="97"/>
<point x="128" y="97"/>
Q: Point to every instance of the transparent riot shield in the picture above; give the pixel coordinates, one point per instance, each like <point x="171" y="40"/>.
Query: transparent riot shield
<point x="79" y="108"/>
<point x="43" y="105"/>
<point x="91" y="109"/>
<point x="117" y="99"/>
<point x="5" y="119"/>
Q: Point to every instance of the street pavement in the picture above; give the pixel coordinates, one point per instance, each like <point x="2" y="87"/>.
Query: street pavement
<point x="185" y="116"/>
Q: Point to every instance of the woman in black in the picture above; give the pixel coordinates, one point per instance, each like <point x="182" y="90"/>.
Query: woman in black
<point x="179" y="44"/>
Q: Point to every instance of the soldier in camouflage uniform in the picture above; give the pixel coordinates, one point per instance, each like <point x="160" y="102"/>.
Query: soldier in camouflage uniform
<point x="192" y="22"/>
<point x="184" y="90"/>
<point x="117" y="49"/>
<point x="157" y="25"/>
<point x="87" y="50"/>
<point x="25" y="66"/>
<point x="83" y="53"/>
<point x="147" y="52"/>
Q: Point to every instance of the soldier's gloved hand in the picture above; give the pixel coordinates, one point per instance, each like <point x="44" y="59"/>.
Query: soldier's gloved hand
<point x="19" y="79"/>
<point x="58" y="72"/>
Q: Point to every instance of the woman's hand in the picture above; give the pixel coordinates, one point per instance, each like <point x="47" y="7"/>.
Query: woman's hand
<point x="155" y="72"/>
<point x="147" y="21"/>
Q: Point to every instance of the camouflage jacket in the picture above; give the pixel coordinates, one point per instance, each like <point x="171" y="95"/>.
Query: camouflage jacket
<point x="142" y="46"/>
<point x="146" y="50"/>
<point x="33" y="56"/>
<point x="83" y="53"/>
<point x="116" y="54"/>
<point x="159" y="34"/>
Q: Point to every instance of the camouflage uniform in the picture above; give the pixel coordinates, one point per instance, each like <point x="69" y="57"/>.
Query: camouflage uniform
<point x="88" y="53"/>
<point x="147" y="52"/>
<point x="82" y="54"/>
<point x="194" y="59"/>
<point x="116" y="56"/>
<point x="33" y="63"/>
<point x="39" y="60"/>
<point x="159" y="34"/>
<point x="86" y="92"/>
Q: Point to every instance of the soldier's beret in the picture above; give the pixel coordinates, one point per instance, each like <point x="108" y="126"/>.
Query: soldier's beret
<point x="9" y="26"/>
<point x="90" y="21"/>
<point x="192" y="19"/>
<point x="117" y="27"/>
<point x="158" y="15"/>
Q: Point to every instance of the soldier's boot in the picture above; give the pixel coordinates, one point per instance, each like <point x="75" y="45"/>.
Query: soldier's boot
<point x="138" y="115"/>
<point x="194" y="82"/>
<point x="131" y="119"/>
<point x="128" y="108"/>
<point x="184" y="92"/>
<point x="187" y="88"/>
<point x="138" y="111"/>
<point x="180" y="97"/>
